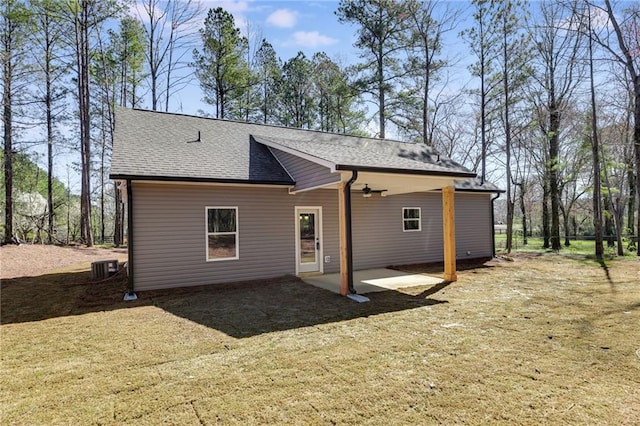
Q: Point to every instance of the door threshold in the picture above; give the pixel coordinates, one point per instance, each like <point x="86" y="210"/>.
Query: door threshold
<point x="309" y="274"/>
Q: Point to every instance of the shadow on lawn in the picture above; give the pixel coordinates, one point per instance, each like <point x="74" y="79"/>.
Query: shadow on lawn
<point x="238" y="310"/>
<point x="47" y="296"/>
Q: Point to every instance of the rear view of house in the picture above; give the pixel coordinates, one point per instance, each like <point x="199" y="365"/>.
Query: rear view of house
<point x="213" y="201"/>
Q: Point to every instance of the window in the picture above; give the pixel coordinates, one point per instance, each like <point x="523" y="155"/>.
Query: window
<point x="222" y="233"/>
<point x="411" y="219"/>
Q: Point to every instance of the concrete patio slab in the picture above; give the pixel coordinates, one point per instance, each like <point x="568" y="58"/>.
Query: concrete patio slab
<point x="373" y="280"/>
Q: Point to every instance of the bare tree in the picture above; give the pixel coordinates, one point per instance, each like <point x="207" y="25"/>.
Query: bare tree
<point x="513" y="75"/>
<point x="558" y="48"/>
<point x="483" y="40"/>
<point x="573" y="158"/>
<point x="623" y="49"/>
<point x="430" y="21"/>
<point x="170" y="29"/>
<point x="617" y="153"/>
<point x="595" y="150"/>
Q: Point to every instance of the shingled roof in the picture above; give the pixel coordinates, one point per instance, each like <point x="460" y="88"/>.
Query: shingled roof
<point x="151" y="145"/>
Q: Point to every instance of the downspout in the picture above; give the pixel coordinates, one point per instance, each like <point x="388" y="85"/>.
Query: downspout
<point x="493" y="225"/>
<point x="347" y="207"/>
<point x="130" y="295"/>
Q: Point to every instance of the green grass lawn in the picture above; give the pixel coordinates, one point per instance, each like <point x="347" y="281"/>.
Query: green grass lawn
<point x="577" y="247"/>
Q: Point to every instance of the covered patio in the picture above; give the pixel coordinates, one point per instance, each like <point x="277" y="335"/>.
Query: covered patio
<point x="367" y="166"/>
<point x="374" y="280"/>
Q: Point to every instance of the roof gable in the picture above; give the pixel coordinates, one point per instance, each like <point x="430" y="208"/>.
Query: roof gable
<point x="152" y="145"/>
<point x="356" y="153"/>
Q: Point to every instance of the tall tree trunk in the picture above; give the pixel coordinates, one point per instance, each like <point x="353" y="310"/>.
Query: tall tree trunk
<point x="7" y="121"/>
<point x="102" y="183"/>
<point x="609" y="231"/>
<point x="381" y="93"/>
<point x="483" y="104"/>
<point x="167" y="94"/>
<point x="595" y="152"/>
<point x="631" y="206"/>
<point x="49" y="119"/>
<point x="567" y="229"/>
<point x="117" y="222"/>
<point x="49" y="159"/>
<point x="554" y="192"/>
<point x="636" y="145"/>
<point x="425" y="110"/>
<point x="618" y="216"/>
<point x="523" y="211"/>
<point x="82" y="59"/>
<point x="152" y="45"/>
<point x="546" y="233"/>
<point x="507" y="132"/>
<point x="634" y="74"/>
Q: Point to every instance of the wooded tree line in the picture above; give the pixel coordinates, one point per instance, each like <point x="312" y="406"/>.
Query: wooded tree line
<point x="551" y="113"/>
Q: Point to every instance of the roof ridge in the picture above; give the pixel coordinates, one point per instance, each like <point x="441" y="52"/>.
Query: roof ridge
<point x="182" y="114"/>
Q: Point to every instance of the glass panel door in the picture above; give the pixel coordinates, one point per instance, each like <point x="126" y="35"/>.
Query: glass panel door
<point x="308" y="239"/>
<point x="308" y="252"/>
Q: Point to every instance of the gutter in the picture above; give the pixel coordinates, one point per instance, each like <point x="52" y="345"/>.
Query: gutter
<point x="191" y="179"/>
<point x="493" y="227"/>
<point x="130" y="294"/>
<point x="349" y="242"/>
<point x="394" y="170"/>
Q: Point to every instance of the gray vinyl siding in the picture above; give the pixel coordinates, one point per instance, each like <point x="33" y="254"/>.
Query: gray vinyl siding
<point x="306" y="173"/>
<point x="379" y="240"/>
<point x="473" y="225"/>
<point x="170" y="244"/>
<point x="169" y="233"/>
<point x="378" y="237"/>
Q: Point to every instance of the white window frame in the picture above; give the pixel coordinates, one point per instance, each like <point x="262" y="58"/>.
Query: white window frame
<point x="207" y="233"/>
<point x="405" y="220"/>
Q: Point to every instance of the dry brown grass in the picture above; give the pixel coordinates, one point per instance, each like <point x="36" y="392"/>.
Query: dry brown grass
<point x="542" y="339"/>
<point x="29" y="260"/>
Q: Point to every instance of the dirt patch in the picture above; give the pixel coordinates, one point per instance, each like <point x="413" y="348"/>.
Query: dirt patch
<point x="30" y="260"/>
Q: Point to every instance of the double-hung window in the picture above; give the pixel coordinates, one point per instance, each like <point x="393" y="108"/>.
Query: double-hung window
<point x="411" y="219"/>
<point x="222" y="233"/>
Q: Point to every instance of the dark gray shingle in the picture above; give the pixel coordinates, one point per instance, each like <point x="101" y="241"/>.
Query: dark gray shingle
<point x="151" y="144"/>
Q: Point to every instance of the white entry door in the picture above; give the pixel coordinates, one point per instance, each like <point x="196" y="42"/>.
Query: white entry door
<point x="308" y="239"/>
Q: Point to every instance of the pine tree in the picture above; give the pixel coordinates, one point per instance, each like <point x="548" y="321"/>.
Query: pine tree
<point x="221" y="66"/>
<point x="381" y="39"/>
<point x="269" y="77"/>
<point x="336" y="98"/>
<point x="14" y="21"/>
<point x="47" y="37"/>
<point x="298" y="105"/>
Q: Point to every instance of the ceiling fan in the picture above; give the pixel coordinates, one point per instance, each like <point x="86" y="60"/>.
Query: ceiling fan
<point x="368" y="192"/>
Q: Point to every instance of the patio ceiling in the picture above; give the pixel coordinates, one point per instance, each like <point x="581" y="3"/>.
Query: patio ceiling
<point x="393" y="183"/>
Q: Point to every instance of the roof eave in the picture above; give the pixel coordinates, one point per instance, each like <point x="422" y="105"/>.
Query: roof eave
<point x="119" y="176"/>
<point x="488" y="191"/>
<point x="371" y="169"/>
